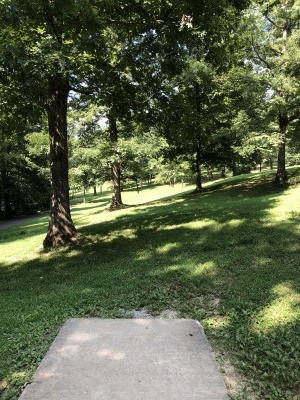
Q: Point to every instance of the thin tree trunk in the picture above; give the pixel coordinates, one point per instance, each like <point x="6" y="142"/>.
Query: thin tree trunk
<point x="281" y="174"/>
<point x="8" y="211"/>
<point x="137" y="185"/>
<point x="234" y="168"/>
<point x="223" y="171"/>
<point x="209" y="173"/>
<point x="116" y="200"/>
<point x="198" y="170"/>
<point x="283" y="120"/>
<point x="198" y="149"/>
<point x="61" y="230"/>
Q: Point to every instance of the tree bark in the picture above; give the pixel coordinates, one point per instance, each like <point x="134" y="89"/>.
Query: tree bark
<point x="61" y="230"/>
<point x="281" y="174"/>
<point x="116" y="200"/>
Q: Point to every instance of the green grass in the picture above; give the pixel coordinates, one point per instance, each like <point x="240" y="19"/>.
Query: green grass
<point x="228" y="257"/>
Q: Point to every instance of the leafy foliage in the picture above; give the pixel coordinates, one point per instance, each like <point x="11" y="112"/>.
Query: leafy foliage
<point x="24" y="176"/>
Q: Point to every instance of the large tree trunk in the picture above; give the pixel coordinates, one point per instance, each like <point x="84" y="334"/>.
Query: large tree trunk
<point x="116" y="200"/>
<point x="61" y="230"/>
<point x="281" y="175"/>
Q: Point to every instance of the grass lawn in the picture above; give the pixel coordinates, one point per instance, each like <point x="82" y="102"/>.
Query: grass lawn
<point x="229" y="257"/>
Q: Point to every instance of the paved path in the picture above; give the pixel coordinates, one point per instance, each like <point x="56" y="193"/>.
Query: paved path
<point x="16" y="221"/>
<point x="128" y="359"/>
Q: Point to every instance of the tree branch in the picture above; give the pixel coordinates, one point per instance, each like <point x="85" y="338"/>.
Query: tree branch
<point x="263" y="60"/>
<point x="51" y="20"/>
<point x="271" y="21"/>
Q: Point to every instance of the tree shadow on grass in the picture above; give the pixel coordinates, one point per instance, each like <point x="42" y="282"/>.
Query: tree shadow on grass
<point x="221" y="263"/>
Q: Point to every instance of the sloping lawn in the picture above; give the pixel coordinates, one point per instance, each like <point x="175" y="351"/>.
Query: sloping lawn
<point x="228" y="257"/>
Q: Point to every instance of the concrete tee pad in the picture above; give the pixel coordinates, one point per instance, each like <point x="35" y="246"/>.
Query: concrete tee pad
<point x="128" y="359"/>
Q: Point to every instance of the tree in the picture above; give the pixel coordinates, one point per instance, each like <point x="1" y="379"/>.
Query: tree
<point x="273" y="38"/>
<point x="41" y="53"/>
<point x="138" y="154"/>
<point x="89" y="148"/>
<point x="189" y="110"/>
<point x="239" y="98"/>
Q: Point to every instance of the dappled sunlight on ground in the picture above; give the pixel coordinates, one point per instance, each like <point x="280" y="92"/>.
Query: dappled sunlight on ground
<point x="285" y="205"/>
<point x="283" y="310"/>
<point x="166" y="248"/>
<point x="193" y="225"/>
<point x="208" y="268"/>
<point x="147" y="195"/>
<point x="126" y="234"/>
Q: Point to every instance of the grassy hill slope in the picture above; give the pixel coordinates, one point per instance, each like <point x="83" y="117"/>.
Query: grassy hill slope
<point x="228" y="257"/>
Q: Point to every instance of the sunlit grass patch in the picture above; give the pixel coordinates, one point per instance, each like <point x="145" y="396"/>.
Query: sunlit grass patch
<point x="166" y="248"/>
<point x="15" y="250"/>
<point x="285" y="205"/>
<point x="150" y="194"/>
<point x="124" y="233"/>
<point x="207" y="268"/>
<point x="283" y="310"/>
